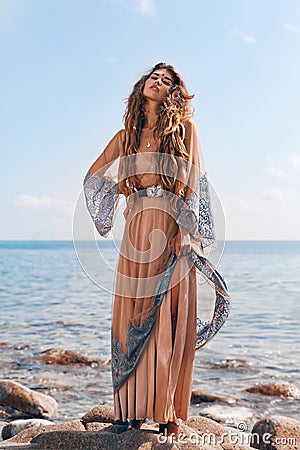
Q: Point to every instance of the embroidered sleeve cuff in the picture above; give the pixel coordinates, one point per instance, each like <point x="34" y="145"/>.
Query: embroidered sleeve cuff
<point x="102" y="196"/>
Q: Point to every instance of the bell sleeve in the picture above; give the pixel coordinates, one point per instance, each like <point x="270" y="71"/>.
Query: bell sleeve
<point x="195" y="212"/>
<point x="196" y="215"/>
<point x="100" y="189"/>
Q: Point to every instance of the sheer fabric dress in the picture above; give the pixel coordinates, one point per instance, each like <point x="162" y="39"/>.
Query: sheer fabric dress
<point x="154" y="342"/>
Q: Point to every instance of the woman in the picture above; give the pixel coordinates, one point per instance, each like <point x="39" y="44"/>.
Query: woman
<point x="155" y="329"/>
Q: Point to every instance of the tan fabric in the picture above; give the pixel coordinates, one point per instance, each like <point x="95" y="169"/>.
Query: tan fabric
<point x="160" y="386"/>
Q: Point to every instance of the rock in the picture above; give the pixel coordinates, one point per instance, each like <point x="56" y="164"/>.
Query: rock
<point x="232" y="416"/>
<point x="201" y="396"/>
<point x="17" y="396"/>
<point x="13" y="428"/>
<point x="275" y="389"/>
<point x="101" y="413"/>
<point x="91" y="440"/>
<point x="98" y="426"/>
<point x="276" y="433"/>
<point x="109" y="437"/>
<point x="67" y="357"/>
<point x="235" y="363"/>
<point x="25" y="436"/>
<point x="7" y="346"/>
<point x="215" y="434"/>
<point x="7" y="413"/>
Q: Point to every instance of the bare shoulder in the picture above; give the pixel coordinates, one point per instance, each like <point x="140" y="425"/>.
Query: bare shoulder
<point x="121" y="133"/>
<point x="189" y="124"/>
<point x="190" y="128"/>
<point x="116" y="143"/>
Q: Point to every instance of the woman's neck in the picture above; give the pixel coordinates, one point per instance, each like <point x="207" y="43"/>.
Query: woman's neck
<point x="151" y="114"/>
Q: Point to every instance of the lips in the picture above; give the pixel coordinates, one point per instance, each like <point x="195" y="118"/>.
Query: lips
<point x="154" y="87"/>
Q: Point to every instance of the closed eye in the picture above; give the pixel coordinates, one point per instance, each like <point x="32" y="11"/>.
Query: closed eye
<point x="164" y="80"/>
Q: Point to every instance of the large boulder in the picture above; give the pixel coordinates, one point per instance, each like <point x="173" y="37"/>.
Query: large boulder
<point x="32" y="403"/>
<point x="276" y="433"/>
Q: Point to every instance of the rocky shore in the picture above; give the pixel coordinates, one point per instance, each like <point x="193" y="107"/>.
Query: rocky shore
<point x="27" y="419"/>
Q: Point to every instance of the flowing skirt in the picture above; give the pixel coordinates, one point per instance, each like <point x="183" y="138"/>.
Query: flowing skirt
<point x="159" y="386"/>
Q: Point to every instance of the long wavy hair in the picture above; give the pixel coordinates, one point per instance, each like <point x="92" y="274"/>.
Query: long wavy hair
<point x="169" y="130"/>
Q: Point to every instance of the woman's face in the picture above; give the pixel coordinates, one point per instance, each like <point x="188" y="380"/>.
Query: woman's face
<point x="158" y="85"/>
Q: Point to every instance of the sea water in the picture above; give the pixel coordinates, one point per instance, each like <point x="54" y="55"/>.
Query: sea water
<point x="55" y="296"/>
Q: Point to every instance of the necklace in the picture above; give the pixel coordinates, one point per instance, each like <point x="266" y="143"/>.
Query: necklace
<point x="150" y="138"/>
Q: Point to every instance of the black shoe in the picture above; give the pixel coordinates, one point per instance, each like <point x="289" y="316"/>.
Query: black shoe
<point x="124" y="424"/>
<point x="163" y="428"/>
<point x="135" y="424"/>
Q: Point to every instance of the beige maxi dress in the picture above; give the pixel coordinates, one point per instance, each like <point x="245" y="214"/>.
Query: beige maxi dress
<point x="158" y="385"/>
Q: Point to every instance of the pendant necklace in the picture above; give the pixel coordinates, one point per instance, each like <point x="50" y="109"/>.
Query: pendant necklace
<point x="149" y="143"/>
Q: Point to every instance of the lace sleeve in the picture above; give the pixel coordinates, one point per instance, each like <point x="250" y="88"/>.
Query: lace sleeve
<point x="102" y="197"/>
<point x="195" y="212"/>
<point x="101" y="190"/>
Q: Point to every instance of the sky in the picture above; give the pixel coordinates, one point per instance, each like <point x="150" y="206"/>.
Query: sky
<point x="69" y="65"/>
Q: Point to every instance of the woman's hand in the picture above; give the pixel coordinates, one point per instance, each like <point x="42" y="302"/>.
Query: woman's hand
<point x="182" y="242"/>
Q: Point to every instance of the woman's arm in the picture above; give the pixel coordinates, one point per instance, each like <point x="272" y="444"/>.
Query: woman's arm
<point x="191" y="143"/>
<point x="101" y="191"/>
<point x="109" y="155"/>
<point x="182" y="242"/>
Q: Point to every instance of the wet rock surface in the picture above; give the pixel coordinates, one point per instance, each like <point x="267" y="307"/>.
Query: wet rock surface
<point x="102" y="413"/>
<point x="196" y="433"/>
<point x="232" y="364"/>
<point x="67" y="357"/>
<point x="15" y="395"/>
<point x="282" y="390"/>
<point x="11" y="429"/>
<point x="277" y="433"/>
<point x="95" y="430"/>
<point x="221" y="425"/>
<point x="232" y="416"/>
<point x="199" y="396"/>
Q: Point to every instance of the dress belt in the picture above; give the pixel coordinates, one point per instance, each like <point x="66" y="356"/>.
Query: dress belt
<point x="150" y="191"/>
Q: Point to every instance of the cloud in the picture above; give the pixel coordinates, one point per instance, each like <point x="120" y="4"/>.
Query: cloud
<point x="272" y="213"/>
<point x="245" y="37"/>
<point x="290" y="27"/>
<point x="294" y="159"/>
<point x="43" y="203"/>
<point x="145" y="7"/>
<point x="275" y="195"/>
<point x="277" y="171"/>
